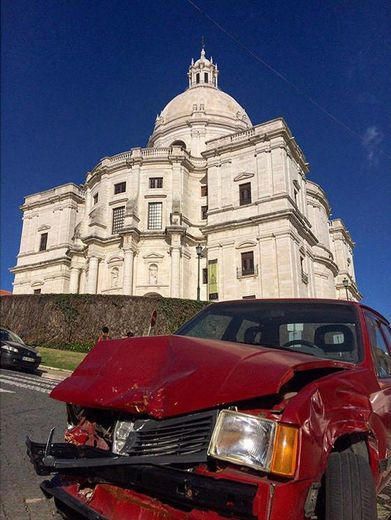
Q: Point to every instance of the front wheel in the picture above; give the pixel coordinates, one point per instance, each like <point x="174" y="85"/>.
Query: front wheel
<point x="349" y="488"/>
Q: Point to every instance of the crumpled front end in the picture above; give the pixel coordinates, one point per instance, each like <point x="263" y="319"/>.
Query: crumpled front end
<point x="156" y="469"/>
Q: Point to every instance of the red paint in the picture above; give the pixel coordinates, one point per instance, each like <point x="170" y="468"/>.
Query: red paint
<point x="165" y="376"/>
<point x="173" y="375"/>
<point x="84" y="434"/>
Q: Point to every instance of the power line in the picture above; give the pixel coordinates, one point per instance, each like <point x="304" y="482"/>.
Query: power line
<point x="280" y="75"/>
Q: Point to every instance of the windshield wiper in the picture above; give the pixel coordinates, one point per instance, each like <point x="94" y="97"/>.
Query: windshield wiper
<point x="279" y="347"/>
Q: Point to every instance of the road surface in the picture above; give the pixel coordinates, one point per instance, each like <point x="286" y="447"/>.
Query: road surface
<point x="26" y="409"/>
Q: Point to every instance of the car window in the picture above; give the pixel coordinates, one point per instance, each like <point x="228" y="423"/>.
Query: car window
<point x="249" y="332"/>
<point x="324" y="330"/>
<point x="387" y="334"/>
<point x="213" y="326"/>
<point x="7" y="335"/>
<point x="380" y="352"/>
<point x="334" y="340"/>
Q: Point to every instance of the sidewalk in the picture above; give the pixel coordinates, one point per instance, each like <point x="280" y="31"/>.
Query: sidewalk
<point x="54" y="373"/>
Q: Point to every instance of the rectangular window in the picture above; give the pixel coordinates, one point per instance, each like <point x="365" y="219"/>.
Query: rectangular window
<point x="245" y="193"/>
<point x="204" y="191"/>
<point x="118" y="219"/>
<point x="205" y="275"/>
<point x="37" y="291"/>
<point x="156" y="182"/>
<point x="205" y="77"/>
<point x="250" y="297"/>
<point x="204" y="212"/>
<point x="155" y="215"/>
<point x="119" y="188"/>
<point x="247" y="263"/>
<point x="43" y="242"/>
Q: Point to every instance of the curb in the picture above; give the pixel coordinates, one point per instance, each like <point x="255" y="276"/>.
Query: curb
<point x="57" y="371"/>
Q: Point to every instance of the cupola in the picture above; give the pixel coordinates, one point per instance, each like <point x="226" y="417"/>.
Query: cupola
<point x="203" y="72"/>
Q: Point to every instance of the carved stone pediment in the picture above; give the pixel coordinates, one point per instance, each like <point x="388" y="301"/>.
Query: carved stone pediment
<point x="114" y="260"/>
<point x="153" y="257"/>
<point x="242" y="176"/>
<point x="246" y="244"/>
<point x="45" y="227"/>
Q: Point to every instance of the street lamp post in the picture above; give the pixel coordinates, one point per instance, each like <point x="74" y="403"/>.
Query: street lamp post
<point x="199" y="254"/>
<point x="345" y="282"/>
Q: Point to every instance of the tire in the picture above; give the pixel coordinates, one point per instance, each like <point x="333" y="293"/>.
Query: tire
<point x="349" y="488"/>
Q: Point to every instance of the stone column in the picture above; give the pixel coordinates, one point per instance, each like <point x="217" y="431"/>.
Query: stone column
<point x="127" y="285"/>
<point x="74" y="280"/>
<point x="92" y="274"/>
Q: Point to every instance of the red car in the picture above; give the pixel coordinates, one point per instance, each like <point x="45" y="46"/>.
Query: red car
<point x="256" y="409"/>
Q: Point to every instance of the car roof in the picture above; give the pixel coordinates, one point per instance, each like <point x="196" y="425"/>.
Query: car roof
<point x="304" y="300"/>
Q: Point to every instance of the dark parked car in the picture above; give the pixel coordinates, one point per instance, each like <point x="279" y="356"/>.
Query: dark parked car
<point x="16" y="354"/>
<point x="262" y="410"/>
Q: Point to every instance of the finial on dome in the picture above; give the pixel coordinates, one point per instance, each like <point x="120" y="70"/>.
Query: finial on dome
<point x="203" y="72"/>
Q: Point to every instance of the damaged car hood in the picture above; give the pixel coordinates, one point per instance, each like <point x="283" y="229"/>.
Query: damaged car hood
<point x="164" y="376"/>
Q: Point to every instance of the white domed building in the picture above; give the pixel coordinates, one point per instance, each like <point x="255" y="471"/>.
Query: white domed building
<point x="213" y="207"/>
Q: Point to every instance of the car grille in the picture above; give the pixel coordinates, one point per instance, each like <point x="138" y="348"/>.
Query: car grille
<point x="183" y="439"/>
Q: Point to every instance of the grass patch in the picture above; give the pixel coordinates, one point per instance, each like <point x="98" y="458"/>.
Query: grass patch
<point x="60" y="358"/>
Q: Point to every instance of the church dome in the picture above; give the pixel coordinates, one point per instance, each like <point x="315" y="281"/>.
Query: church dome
<point x="201" y="113"/>
<point x="211" y="101"/>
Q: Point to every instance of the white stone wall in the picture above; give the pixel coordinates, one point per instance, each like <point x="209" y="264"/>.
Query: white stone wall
<point x="297" y="251"/>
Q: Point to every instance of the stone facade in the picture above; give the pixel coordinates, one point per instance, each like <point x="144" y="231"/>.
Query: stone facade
<point x="212" y="202"/>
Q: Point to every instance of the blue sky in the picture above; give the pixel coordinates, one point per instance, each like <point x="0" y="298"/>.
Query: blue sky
<point x="83" y="79"/>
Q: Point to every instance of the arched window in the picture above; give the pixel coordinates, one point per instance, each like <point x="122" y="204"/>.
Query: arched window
<point x="179" y="143"/>
<point x="153" y="272"/>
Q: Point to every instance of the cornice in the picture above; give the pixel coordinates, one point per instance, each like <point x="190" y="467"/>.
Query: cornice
<point x="39" y="265"/>
<point x="289" y="214"/>
<point x="79" y="199"/>
<point x="263" y="133"/>
<point x="328" y="262"/>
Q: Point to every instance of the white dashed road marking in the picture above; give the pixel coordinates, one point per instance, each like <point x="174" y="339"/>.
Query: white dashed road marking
<point x="22" y="380"/>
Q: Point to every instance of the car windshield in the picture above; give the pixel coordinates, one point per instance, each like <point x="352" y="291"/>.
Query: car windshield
<point x="324" y="330"/>
<point x="7" y="335"/>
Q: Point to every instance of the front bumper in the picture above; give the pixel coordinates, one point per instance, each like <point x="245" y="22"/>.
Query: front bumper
<point x="15" y="360"/>
<point x="96" y="484"/>
<point x="179" y="490"/>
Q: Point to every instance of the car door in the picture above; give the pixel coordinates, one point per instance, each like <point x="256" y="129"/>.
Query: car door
<point x="379" y="337"/>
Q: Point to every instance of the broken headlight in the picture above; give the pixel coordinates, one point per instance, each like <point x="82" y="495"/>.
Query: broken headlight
<point x="122" y="431"/>
<point x="255" y="442"/>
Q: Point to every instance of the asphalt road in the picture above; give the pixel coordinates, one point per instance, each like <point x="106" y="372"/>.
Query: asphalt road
<point x="26" y="409"/>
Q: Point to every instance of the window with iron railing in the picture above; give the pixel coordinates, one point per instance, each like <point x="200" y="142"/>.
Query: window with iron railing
<point x="247" y="263"/>
<point x="155" y="215"/>
<point x="118" y="219"/>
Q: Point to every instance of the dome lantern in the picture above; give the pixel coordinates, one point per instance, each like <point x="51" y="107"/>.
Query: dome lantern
<point x="203" y="72"/>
